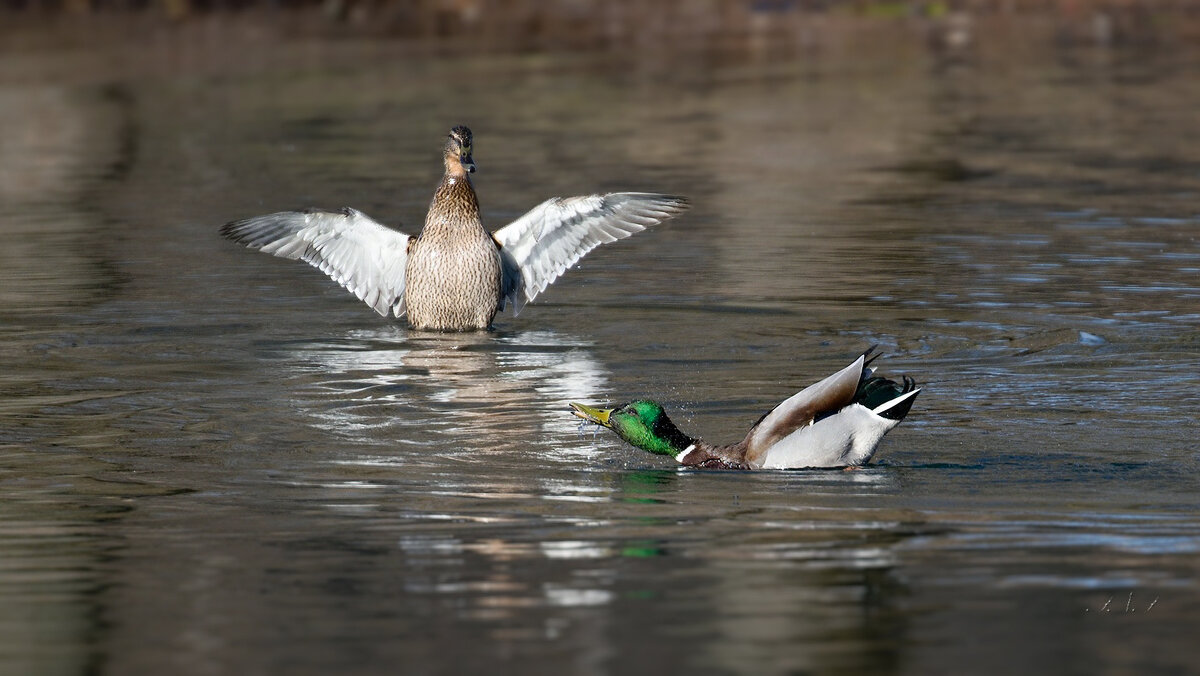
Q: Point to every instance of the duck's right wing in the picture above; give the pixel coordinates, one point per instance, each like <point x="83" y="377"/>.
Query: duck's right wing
<point x="364" y="256"/>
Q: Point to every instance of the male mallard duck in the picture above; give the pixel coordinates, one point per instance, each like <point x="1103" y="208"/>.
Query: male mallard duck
<point x="837" y="422"/>
<point x="455" y="275"/>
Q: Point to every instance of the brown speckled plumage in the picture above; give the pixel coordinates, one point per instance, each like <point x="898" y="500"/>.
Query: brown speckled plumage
<point x="454" y="265"/>
<point x="453" y="272"/>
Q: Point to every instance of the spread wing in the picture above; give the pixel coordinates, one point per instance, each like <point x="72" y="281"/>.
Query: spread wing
<point x="365" y="257"/>
<point x="827" y="396"/>
<point x="538" y="247"/>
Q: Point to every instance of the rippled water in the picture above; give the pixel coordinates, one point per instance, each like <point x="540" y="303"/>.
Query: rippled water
<point x="219" y="462"/>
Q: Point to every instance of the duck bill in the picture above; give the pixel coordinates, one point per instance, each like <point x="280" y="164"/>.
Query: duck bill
<point x="595" y="415"/>
<point x="468" y="163"/>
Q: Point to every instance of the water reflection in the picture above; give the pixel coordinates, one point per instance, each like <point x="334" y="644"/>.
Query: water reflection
<point x="781" y="580"/>
<point x="56" y="146"/>
<point x="495" y="394"/>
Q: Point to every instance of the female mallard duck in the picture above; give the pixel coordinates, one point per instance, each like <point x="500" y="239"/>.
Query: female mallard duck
<point x="837" y="422"/>
<point x="455" y="275"/>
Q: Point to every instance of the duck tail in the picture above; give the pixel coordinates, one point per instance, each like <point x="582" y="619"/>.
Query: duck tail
<point x="868" y="355"/>
<point x="887" y="398"/>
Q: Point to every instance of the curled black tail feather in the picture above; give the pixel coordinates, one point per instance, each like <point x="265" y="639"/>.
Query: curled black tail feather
<point x="871" y="357"/>
<point x="876" y="391"/>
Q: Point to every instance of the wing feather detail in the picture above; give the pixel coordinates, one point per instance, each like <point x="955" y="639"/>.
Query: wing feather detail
<point x="364" y="256"/>
<point x="829" y="395"/>
<point x="540" y="246"/>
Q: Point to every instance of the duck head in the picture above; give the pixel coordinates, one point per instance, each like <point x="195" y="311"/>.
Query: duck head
<point x="642" y="423"/>
<point x="457" y="153"/>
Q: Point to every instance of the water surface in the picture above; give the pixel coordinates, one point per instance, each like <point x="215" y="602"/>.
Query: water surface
<point x="219" y="462"/>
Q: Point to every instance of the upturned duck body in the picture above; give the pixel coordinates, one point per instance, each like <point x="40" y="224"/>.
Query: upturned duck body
<point x="455" y="275"/>
<point x="837" y="422"/>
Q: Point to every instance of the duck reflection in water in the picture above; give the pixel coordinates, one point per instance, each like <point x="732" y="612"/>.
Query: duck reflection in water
<point x="466" y="395"/>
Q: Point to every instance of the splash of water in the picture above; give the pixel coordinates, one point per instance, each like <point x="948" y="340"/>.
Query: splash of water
<point x="584" y="424"/>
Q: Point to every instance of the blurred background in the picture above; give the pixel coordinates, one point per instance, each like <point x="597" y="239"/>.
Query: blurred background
<point x="213" y="461"/>
<point x="512" y="25"/>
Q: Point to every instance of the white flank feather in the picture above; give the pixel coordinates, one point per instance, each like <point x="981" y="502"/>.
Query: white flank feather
<point x="848" y="437"/>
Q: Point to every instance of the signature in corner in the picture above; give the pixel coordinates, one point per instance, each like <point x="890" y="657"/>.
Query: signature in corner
<point x="1129" y="606"/>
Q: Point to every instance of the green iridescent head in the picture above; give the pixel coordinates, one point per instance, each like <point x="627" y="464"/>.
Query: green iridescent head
<point x="642" y="423"/>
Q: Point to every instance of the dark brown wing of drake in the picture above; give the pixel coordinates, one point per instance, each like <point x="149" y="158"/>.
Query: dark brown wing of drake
<point x="827" y="396"/>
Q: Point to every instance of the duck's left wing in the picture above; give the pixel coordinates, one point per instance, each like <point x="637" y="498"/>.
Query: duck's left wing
<point x="364" y="256"/>
<point x="538" y="247"/>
